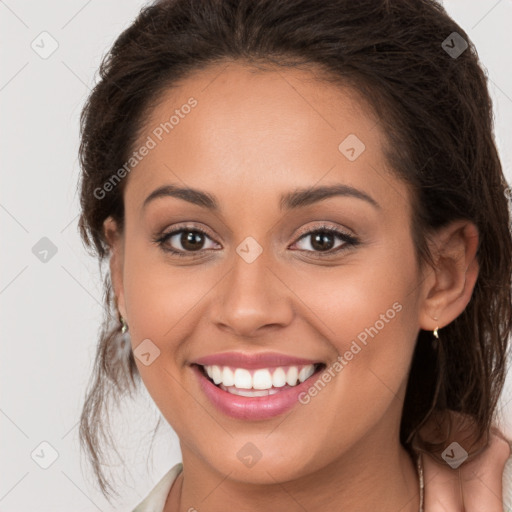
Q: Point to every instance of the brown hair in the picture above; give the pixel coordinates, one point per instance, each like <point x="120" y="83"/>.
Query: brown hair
<point x="435" y="110"/>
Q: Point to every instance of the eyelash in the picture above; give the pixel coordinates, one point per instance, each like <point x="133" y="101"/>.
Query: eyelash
<point x="350" y="241"/>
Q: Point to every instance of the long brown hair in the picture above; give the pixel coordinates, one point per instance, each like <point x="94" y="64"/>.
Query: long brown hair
<point x="435" y="110"/>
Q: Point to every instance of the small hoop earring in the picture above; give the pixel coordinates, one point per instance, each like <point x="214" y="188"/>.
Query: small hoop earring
<point x="124" y="325"/>
<point x="435" y="341"/>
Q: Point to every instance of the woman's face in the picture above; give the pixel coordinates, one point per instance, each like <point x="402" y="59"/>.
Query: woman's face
<point x="265" y="278"/>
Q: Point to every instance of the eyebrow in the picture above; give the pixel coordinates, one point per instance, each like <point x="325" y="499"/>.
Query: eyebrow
<point x="298" y="198"/>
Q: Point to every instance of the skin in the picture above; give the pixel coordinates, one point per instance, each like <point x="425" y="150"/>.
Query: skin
<point x="252" y="137"/>
<point x="476" y="485"/>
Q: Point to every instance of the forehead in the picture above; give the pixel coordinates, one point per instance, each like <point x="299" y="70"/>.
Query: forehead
<point x="244" y="131"/>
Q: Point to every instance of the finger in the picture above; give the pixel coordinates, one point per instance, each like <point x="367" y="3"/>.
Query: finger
<point x="442" y="488"/>
<point x="482" y="477"/>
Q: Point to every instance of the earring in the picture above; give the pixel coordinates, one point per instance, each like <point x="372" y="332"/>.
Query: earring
<point x="436" y="336"/>
<point x="435" y="340"/>
<point x="434" y="332"/>
<point x="124" y="325"/>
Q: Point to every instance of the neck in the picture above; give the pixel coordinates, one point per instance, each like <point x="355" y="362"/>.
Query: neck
<point x="371" y="479"/>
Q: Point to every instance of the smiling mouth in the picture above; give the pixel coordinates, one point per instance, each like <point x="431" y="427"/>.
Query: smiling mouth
<point x="259" y="382"/>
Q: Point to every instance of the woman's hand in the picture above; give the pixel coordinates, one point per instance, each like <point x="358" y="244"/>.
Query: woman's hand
<point x="475" y="486"/>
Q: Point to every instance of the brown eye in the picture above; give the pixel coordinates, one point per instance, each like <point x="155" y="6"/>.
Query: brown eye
<point x="191" y="240"/>
<point x="323" y="240"/>
<point x="183" y="241"/>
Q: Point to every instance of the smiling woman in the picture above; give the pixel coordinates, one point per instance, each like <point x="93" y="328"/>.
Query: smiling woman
<point x="312" y="266"/>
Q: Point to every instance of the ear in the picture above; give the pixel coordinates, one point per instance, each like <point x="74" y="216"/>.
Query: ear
<point x="448" y="287"/>
<point x="115" y="241"/>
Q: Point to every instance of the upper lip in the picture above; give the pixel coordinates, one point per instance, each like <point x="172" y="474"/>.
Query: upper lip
<point x="258" y="360"/>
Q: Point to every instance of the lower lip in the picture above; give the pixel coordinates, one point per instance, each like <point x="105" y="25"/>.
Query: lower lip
<point x="252" y="408"/>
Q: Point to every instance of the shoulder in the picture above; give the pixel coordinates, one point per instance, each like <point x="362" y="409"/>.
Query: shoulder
<point x="155" y="500"/>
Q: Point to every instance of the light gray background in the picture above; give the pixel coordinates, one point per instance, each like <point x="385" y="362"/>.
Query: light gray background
<point x="51" y="312"/>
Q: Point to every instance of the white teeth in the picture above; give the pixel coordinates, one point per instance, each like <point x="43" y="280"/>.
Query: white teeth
<point x="262" y="379"/>
<point x="243" y="379"/>
<point x="228" y="378"/>
<point x="249" y="392"/>
<point x="292" y="376"/>
<point x="279" y="378"/>
<point x="216" y="374"/>
<point x="306" y="372"/>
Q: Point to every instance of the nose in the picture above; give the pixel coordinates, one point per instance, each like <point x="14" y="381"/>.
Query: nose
<point x="252" y="299"/>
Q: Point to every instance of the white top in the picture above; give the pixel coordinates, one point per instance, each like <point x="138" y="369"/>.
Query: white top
<point x="155" y="500"/>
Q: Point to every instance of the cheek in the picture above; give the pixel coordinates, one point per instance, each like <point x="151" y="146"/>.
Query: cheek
<point x="160" y="302"/>
<point x="367" y="310"/>
<point x="368" y="314"/>
<point x="158" y="295"/>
